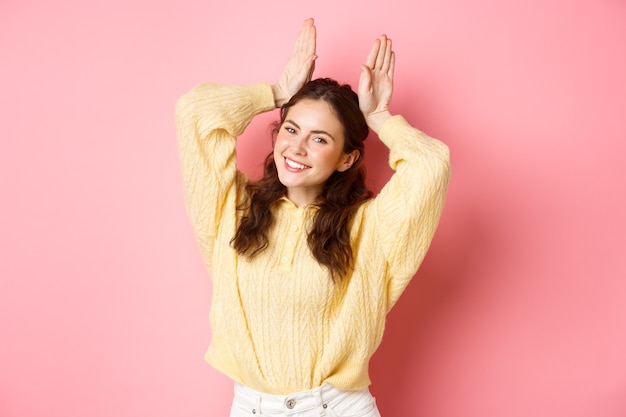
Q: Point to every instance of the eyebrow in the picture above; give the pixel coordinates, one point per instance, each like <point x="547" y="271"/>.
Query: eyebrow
<point x="323" y="132"/>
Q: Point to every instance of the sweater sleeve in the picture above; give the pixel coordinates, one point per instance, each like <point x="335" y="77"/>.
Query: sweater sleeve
<point x="408" y="208"/>
<point x="208" y="120"/>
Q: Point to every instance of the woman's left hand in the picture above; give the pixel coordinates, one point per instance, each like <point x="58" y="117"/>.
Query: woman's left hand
<point x="376" y="83"/>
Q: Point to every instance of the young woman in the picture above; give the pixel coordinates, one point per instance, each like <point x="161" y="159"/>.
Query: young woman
<point x="306" y="263"/>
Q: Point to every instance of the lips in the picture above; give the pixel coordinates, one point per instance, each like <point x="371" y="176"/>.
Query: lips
<point x="295" y="165"/>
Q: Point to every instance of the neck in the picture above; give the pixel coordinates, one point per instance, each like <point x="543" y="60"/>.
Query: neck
<point x="301" y="198"/>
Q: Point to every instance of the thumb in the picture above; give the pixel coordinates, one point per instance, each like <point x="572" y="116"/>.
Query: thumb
<point x="312" y="66"/>
<point x="365" y="81"/>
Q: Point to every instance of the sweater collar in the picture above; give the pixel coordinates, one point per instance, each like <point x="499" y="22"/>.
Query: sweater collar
<point x="288" y="204"/>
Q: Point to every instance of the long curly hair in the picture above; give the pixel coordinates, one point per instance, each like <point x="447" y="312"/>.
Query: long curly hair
<point x="343" y="193"/>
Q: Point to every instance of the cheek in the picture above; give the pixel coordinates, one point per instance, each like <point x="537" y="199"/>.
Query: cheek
<point x="329" y="157"/>
<point x="277" y="145"/>
<point x="280" y="142"/>
<point x="277" y="154"/>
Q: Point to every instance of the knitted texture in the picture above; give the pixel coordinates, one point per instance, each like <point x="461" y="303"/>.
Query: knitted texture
<point x="279" y="323"/>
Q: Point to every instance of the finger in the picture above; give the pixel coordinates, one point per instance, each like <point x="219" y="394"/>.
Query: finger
<point x="371" y="57"/>
<point x="303" y="35"/>
<point x="392" y="65"/>
<point x="311" y="39"/>
<point x="387" y="56"/>
<point x="306" y="41"/>
<point x="380" y="56"/>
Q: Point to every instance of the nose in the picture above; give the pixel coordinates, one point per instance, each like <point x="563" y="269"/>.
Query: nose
<point x="298" y="145"/>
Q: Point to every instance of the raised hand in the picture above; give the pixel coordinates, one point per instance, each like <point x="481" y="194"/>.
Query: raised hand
<point x="299" y="67"/>
<point x="376" y="83"/>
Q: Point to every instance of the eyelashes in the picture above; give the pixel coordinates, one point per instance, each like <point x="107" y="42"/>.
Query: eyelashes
<point x="316" y="139"/>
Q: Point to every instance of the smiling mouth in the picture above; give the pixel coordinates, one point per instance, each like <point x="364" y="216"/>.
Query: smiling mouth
<point x="295" y="165"/>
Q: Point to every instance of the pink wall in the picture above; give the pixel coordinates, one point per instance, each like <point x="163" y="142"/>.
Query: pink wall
<point x="520" y="307"/>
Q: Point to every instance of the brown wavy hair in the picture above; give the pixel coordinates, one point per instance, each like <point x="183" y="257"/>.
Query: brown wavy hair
<point x="343" y="193"/>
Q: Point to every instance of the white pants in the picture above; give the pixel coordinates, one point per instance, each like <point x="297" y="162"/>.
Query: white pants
<point x="323" y="401"/>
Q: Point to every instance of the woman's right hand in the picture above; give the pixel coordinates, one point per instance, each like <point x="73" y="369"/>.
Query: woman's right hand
<point x="299" y="67"/>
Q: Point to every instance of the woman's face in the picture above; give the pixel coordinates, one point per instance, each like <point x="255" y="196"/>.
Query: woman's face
<point x="308" y="149"/>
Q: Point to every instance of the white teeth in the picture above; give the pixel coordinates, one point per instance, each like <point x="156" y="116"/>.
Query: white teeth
<point x="295" y="165"/>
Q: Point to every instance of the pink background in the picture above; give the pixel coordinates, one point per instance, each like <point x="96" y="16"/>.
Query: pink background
<point x="520" y="307"/>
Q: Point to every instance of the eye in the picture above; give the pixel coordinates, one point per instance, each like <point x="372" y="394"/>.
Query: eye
<point x="290" y="129"/>
<point x="319" y="139"/>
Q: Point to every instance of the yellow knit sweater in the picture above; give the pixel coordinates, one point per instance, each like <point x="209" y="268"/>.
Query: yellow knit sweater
<point x="279" y="323"/>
